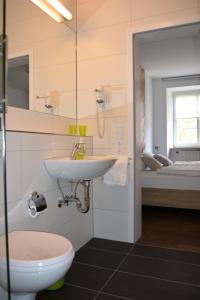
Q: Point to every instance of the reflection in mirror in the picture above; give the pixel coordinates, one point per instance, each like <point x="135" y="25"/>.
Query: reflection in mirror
<point x="42" y="59"/>
<point x="18" y="82"/>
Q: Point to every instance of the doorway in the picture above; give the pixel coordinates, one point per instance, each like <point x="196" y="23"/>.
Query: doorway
<point x="167" y="149"/>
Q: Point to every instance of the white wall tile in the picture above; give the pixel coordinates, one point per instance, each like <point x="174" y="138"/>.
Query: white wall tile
<point x="102" y="41"/>
<point x="14" y="216"/>
<point x="116" y="102"/>
<point x="32" y="141"/>
<point x="13" y="141"/>
<point x="60" y="124"/>
<point x="26" y="120"/>
<point x="22" y="8"/>
<point x="86" y="103"/>
<point x="110" y="224"/>
<point x="143" y="9"/>
<point x="61" y="142"/>
<point x="19" y="34"/>
<point x="14" y="176"/>
<point x="99" y="13"/>
<point x="34" y="175"/>
<point x="81" y="230"/>
<point x="54" y="77"/>
<point x="110" y="197"/>
<point x="67" y="104"/>
<point x="53" y="216"/>
<point x="54" y="51"/>
<point x="166" y="20"/>
<point x="111" y="70"/>
<point x="44" y="26"/>
<point x="109" y="139"/>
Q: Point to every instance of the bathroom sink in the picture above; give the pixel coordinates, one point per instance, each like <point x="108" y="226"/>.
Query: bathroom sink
<point x="88" y="168"/>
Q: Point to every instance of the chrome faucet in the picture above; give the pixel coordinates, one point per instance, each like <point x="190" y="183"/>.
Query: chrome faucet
<point x="77" y="147"/>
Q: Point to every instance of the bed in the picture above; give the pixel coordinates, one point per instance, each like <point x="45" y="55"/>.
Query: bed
<point x="173" y="186"/>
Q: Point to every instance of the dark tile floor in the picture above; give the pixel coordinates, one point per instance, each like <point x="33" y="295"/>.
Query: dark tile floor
<point x="110" y="270"/>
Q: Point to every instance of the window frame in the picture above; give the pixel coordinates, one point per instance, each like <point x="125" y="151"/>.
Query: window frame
<point x="195" y="92"/>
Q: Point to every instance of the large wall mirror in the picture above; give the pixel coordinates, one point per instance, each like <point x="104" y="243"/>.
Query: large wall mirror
<point x="41" y="59"/>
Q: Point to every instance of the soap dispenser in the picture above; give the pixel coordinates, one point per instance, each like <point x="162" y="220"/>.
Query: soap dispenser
<point x="80" y="154"/>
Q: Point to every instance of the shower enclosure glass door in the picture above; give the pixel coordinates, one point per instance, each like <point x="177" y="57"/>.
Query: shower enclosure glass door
<point x="4" y="261"/>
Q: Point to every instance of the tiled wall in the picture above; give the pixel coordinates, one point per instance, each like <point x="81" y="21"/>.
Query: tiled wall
<point x="26" y="173"/>
<point x="27" y="120"/>
<point x="103" y="60"/>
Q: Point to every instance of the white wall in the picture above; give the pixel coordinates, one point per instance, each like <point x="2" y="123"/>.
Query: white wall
<point x="26" y="173"/>
<point x="104" y="27"/>
<point x="173" y="56"/>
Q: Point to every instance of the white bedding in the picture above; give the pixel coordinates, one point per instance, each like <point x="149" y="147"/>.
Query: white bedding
<point x="192" y="163"/>
<point x="191" y="169"/>
<point x="151" y="179"/>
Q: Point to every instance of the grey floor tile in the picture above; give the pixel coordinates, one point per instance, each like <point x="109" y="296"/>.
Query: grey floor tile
<point x="174" y="271"/>
<point x="141" y="288"/>
<point x="103" y="296"/>
<point x="87" y="276"/>
<point x="109" y="245"/>
<point x="67" y="293"/>
<point x="168" y="254"/>
<point x="99" y="258"/>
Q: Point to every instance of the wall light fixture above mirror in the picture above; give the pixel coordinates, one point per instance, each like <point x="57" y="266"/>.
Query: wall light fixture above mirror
<point x="54" y="9"/>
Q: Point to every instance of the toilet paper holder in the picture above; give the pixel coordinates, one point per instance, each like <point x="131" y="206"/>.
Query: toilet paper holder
<point x="36" y="204"/>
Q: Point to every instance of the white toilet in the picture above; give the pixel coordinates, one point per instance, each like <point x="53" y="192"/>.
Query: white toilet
<point x="37" y="260"/>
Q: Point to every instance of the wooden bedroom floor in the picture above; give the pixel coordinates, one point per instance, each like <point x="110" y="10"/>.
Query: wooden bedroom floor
<point x="171" y="228"/>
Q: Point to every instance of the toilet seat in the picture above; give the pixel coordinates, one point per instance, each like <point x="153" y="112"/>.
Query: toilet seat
<point x="30" y="249"/>
<point x="37" y="260"/>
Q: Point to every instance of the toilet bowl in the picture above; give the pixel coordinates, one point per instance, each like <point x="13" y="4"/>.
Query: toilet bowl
<point x="37" y="260"/>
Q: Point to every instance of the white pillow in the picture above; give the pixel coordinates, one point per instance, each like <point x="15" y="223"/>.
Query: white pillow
<point x="150" y="161"/>
<point x="163" y="160"/>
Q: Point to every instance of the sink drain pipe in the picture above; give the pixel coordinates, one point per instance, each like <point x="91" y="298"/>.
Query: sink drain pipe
<point x="66" y="199"/>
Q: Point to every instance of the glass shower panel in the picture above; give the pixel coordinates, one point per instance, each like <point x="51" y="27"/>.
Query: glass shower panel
<point x="4" y="261"/>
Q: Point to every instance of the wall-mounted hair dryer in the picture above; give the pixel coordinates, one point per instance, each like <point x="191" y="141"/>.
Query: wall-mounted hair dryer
<point x="99" y="95"/>
<point x="101" y="101"/>
<point x="101" y="98"/>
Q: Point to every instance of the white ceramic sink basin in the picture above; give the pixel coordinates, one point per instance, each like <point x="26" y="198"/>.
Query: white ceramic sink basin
<point x="88" y="168"/>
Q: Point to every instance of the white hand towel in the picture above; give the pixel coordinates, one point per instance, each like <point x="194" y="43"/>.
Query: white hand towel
<point x="118" y="174"/>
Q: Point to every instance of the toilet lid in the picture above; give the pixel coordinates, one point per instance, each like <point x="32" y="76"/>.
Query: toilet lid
<point x="35" y="246"/>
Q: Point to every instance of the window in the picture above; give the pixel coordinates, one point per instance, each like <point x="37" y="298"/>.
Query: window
<point x="187" y="118"/>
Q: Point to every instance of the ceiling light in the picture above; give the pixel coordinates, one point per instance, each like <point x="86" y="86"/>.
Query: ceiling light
<point x="47" y="10"/>
<point x="61" y="9"/>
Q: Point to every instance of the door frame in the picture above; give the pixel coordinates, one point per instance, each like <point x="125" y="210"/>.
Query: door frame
<point x="150" y="24"/>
